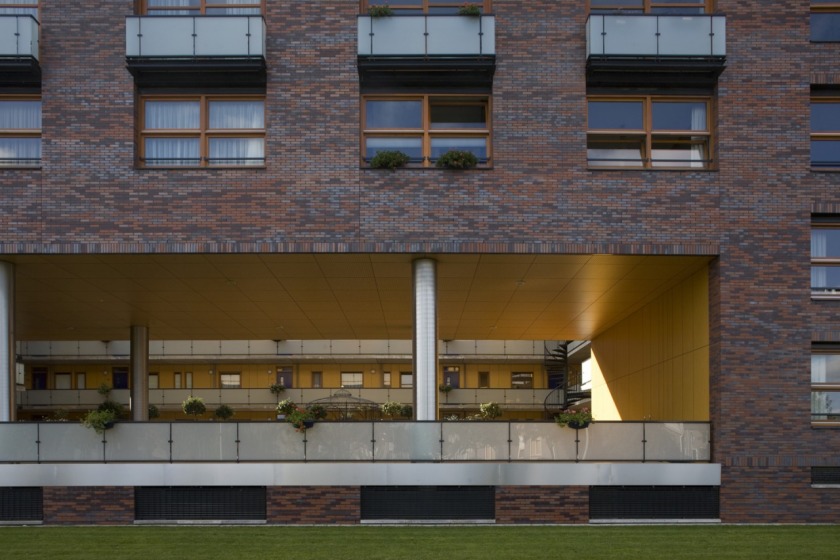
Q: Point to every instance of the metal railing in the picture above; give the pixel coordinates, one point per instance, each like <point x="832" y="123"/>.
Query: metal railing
<point x="172" y="442"/>
<point x="644" y="35"/>
<point x="427" y="35"/>
<point x="194" y="36"/>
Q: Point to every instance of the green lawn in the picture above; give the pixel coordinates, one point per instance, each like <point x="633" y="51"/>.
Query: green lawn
<point x="436" y="542"/>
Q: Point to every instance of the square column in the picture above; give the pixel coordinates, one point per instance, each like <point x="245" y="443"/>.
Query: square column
<point x="425" y="349"/>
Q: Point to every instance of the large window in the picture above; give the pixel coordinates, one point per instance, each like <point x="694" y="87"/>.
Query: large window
<point x="20" y="131"/>
<point x="651" y="6"/>
<point x="199" y="7"/>
<point x="425" y="6"/>
<point x="352" y="380"/>
<point x="230" y="380"/>
<point x="424" y="127"/>
<point x="22" y="7"/>
<point x="202" y="131"/>
<point x="825" y="131"/>
<point x="825" y="383"/>
<point x="825" y="258"/>
<point x="649" y="132"/>
<point x="825" y="21"/>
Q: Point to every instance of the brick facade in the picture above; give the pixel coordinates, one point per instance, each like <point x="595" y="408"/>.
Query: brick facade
<point x="317" y="505"/>
<point x="88" y="505"/>
<point x="542" y="504"/>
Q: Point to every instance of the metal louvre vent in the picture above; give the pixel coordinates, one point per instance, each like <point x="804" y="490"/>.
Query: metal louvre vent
<point x="428" y="502"/>
<point x="21" y="504"/>
<point x="161" y="503"/>
<point x="654" y="502"/>
<point x="825" y="475"/>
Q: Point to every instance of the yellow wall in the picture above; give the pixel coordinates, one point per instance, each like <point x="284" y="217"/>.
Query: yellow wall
<point x="654" y="365"/>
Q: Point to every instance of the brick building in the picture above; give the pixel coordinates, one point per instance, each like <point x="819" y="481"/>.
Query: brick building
<point x="191" y="203"/>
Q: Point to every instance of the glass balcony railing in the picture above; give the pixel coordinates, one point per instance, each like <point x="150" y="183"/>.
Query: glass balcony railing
<point x="427" y="35"/>
<point x="194" y="36"/>
<point x="19" y="36"/>
<point x="643" y="35"/>
<point x="165" y="442"/>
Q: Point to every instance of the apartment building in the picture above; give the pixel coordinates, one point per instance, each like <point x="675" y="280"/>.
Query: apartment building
<point x="432" y="203"/>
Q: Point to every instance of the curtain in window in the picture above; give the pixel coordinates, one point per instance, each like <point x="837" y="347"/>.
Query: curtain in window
<point x="172" y="151"/>
<point x="236" y="151"/>
<point x="20" y="151"/>
<point x="237" y="115"/>
<point x="190" y="7"/>
<point x="235" y="11"/>
<point x="164" y="115"/>
<point x="20" y="115"/>
<point x="698" y="122"/>
<point x="818" y="369"/>
<point x="819" y="248"/>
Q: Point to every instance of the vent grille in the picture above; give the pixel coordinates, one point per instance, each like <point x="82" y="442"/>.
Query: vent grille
<point x="825" y="475"/>
<point x="168" y="503"/>
<point x="428" y="502"/>
<point x="654" y="502"/>
<point x="21" y="504"/>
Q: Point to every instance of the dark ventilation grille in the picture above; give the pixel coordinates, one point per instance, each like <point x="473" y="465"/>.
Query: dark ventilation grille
<point x="825" y="475"/>
<point x="428" y="502"/>
<point x="654" y="502"/>
<point x="229" y="503"/>
<point x="21" y="504"/>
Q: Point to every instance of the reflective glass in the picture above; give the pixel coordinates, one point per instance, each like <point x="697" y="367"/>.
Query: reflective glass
<point x="237" y="151"/>
<point x="825" y="242"/>
<point x="172" y="151"/>
<point x="825" y="405"/>
<point x="236" y="114"/>
<point x="825" y="279"/>
<point x="825" y="27"/>
<point x="163" y="115"/>
<point x="478" y="146"/>
<point x="20" y="151"/>
<point x="20" y="115"/>
<point x="412" y="147"/>
<point x="825" y="153"/>
<point x="615" y="115"/>
<point x="825" y="117"/>
<point x="458" y="116"/>
<point x="679" y="115"/>
<point x="825" y="368"/>
<point x="394" y="114"/>
<point x="615" y="153"/>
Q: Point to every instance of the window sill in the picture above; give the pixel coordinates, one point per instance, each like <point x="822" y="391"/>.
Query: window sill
<point x="409" y="168"/>
<point x="822" y="424"/>
<point x="654" y="169"/>
<point x="825" y="169"/>
<point x="829" y="296"/>
<point x="213" y="168"/>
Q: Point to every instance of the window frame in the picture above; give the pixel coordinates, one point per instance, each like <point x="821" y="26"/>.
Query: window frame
<point x="25" y="8"/>
<point x="647" y="136"/>
<point x="426" y="133"/>
<point x="833" y="135"/>
<point x="352" y="385"/>
<point x="202" y="8"/>
<point x="484" y="5"/>
<point x="22" y="133"/>
<point x="823" y="349"/>
<point x="648" y="7"/>
<point x="832" y="223"/>
<point x="832" y="7"/>
<point x="522" y="380"/>
<point x="230" y="375"/>
<point x="204" y="133"/>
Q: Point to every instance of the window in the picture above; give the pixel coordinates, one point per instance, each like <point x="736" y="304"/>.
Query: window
<point x="386" y="379"/>
<point x="825" y="383"/>
<point x="20" y="131"/>
<point x="62" y="381"/>
<point x="199" y="7"/>
<point x="825" y="258"/>
<point x="825" y="131"/>
<point x="825" y="21"/>
<point x="649" y="132"/>
<point x="651" y="6"/>
<point x="483" y="379"/>
<point x="406" y="379"/>
<point x="351" y="380"/>
<point x="22" y="7"/>
<point x="202" y="131"/>
<point x="426" y="126"/>
<point x="154" y="381"/>
<point x="230" y="380"/>
<point x="317" y="380"/>
<point x="425" y="6"/>
<point x="522" y="380"/>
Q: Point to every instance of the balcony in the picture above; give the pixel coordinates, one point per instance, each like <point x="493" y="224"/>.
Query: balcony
<point x="19" y="36"/>
<point x="415" y="50"/>
<point x="196" y="50"/>
<point x="630" y="49"/>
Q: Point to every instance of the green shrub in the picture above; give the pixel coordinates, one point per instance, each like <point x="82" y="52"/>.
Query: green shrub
<point x="193" y="406"/>
<point x="469" y="9"/>
<point x="223" y="412"/>
<point x="389" y="159"/>
<point x="457" y="159"/>
<point x="382" y="10"/>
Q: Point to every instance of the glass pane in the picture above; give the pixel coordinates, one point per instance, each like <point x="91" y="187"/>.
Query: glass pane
<point x="677" y="10"/>
<point x="616" y="4"/>
<point x="825" y="242"/>
<point x="236" y="114"/>
<point x="825" y="153"/>
<point x="173" y="3"/>
<point x="679" y="116"/>
<point x="678" y="153"/>
<point x="20" y="115"/>
<point x="394" y="114"/>
<point x="615" y="115"/>
<point x="172" y="151"/>
<point x="232" y="11"/>
<point x="825" y="117"/>
<point x="20" y="10"/>
<point x="825" y="368"/>
<point x="825" y="27"/>
<point x="172" y="115"/>
<point x="825" y="279"/>
<point x="825" y="405"/>
<point x="458" y="116"/>
<point x="615" y="153"/>
<point x="20" y="151"/>
<point x="237" y="151"/>
<point x="412" y="147"/>
<point x="478" y="146"/>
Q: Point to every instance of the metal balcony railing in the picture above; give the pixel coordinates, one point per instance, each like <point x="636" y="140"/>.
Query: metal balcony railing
<point x="19" y="36"/>
<point x="643" y="35"/>
<point x="195" y="36"/>
<point x="427" y="35"/>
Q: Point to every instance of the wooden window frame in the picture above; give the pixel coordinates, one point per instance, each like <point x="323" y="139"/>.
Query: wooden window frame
<point x="231" y="375"/>
<point x="204" y="133"/>
<point x="36" y="5"/>
<point x="828" y="261"/>
<point x="396" y="6"/>
<point x="22" y="132"/>
<point x="426" y="132"/>
<point x="649" y="5"/>
<point x="833" y="135"/>
<point x="353" y="385"/>
<point x="202" y="8"/>
<point x="825" y="349"/>
<point x="647" y="136"/>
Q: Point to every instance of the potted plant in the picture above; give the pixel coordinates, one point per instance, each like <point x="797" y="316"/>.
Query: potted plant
<point x="153" y="412"/>
<point x="469" y="9"/>
<point x="304" y="418"/>
<point x="193" y="406"/>
<point x="444" y="388"/>
<point x="392" y="409"/>
<point x="223" y="412"/>
<point x="389" y="159"/>
<point x="490" y="411"/>
<point x="277" y="388"/>
<point x="578" y="418"/>
<point x="284" y="408"/>
<point x="99" y="420"/>
<point x="457" y="159"/>
<point x="380" y="10"/>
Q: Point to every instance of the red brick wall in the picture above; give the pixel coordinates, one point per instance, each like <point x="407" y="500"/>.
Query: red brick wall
<point x="298" y="505"/>
<point x="88" y="505"/>
<point x="542" y="504"/>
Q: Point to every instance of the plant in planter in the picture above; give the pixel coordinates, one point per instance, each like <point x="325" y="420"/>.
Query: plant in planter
<point x="380" y="10"/>
<point x="392" y="409"/>
<point x="389" y="159"/>
<point x="444" y="388"/>
<point x="277" y="388"/>
<point x="154" y="412"/>
<point x="469" y="9"/>
<point x="457" y="159"/>
<point x="575" y="418"/>
<point x="193" y="406"/>
<point x="99" y="420"/>
<point x="490" y="411"/>
<point x="285" y="407"/>
<point x="304" y="418"/>
<point x="223" y="412"/>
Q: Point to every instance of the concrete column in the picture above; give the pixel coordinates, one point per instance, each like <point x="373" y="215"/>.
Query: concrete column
<point x="139" y="373"/>
<point x="8" y="408"/>
<point x="425" y="339"/>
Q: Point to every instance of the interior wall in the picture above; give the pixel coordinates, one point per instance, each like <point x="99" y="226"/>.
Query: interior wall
<point x="654" y="365"/>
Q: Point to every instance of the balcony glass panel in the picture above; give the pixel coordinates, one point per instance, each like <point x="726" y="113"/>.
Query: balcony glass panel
<point x="541" y="442"/>
<point x="69" y="442"/>
<point x="18" y="443"/>
<point x="195" y="36"/>
<point x="194" y="441"/>
<point x="138" y="442"/>
<point x="428" y="35"/>
<point x="656" y="35"/>
<point x="475" y="441"/>
<point x="261" y="441"/>
<point x="603" y="441"/>
<point x="19" y="35"/>
<point x="407" y="441"/>
<point x="339" y="441"/>
<point x="677" y="441"/>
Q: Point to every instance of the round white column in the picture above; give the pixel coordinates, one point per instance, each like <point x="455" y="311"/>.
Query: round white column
<point x="425" y="339"/>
